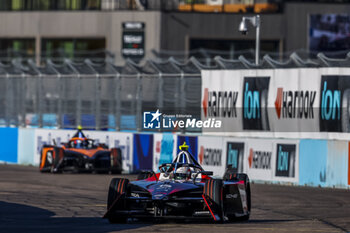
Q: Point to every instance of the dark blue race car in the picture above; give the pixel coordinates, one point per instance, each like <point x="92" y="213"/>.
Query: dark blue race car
<point x="182" y="189"/>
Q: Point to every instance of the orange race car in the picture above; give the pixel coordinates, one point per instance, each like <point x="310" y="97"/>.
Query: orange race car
<point x="80" y="154"/>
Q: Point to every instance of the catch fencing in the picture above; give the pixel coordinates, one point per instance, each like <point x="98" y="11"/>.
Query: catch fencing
<point x="97" y="94"/>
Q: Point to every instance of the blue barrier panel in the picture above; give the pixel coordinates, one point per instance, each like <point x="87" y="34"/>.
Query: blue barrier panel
<point x="349" y="164"/>
<point x="166" y="149"/>
<point x="337" y="163"/>
<point x="8" y="144"/>
<point x="143" y="152"/>
<point x="313" y="162"/>
<point x="192" y="141"/>
<point x="26" y="146"/>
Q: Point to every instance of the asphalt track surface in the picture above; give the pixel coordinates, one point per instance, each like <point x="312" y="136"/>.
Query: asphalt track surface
<point x="35" y="202"/>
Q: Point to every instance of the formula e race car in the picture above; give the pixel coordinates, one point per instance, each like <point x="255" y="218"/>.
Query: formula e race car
<point x="80" y="154"/>
<point x="181" y="190"/>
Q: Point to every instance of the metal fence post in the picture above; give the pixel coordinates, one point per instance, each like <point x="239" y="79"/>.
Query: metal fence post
<point x="78" y="112"/>
<point x="22" y="99"/>
<point x="183" y="95"/>
<point x="98" y="102"/>
<point x="178" y="94"/>
<point x="60" y="96"/>
<point x="8" y="101"/>
<point x="139" y="103"/>
<point x="160" y="93"/>
<point x="118" y="102"/>
<point x="39" y="100"/>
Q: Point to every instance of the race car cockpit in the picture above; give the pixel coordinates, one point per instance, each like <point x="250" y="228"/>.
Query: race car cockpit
<point x="79" y="141"/>
<point x="184" y="167"/>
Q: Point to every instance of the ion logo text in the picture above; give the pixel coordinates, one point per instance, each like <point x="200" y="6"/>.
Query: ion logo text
<point x="330" y="103"/>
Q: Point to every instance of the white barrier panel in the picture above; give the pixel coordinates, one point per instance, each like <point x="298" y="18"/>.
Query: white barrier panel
<point x="272" y="160"/>
<point x="294" y="101"/>
<point x="289" y="103"/>
<point x="222" y="98"/>
<point x="259" y="157"/>
<point x="211" y="154"/>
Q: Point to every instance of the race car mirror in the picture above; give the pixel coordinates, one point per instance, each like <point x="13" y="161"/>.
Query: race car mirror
<point x="208" y="173"/>
<point x="166" y="167"/>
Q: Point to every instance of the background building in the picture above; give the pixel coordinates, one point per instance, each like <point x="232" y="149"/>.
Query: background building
<point x="42" y="29"/>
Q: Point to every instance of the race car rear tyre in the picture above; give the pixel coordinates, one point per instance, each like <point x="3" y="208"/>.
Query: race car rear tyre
<point x="144" y="175"/>
<point x="45" y="166"/>
<point x="117" y="187"/>
<point x="56" y="160"/>
<point x="229" y="175"/>
<point x="213" y="189"/>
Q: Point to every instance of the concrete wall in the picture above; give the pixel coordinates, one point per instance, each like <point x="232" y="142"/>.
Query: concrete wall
<point x="99" y="24"/>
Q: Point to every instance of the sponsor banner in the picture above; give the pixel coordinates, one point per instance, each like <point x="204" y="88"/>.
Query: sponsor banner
<point x="222" y="98"/>
<point x="191" y="141"/>
<point x="313" y="162"/>
<point x="234" y="152"/>
<point x="259" y="159"/>
<point x="143" y="152"/>
<point x="164" y="149"/>
<point x="294" y="100"/>
<point x="335" y="100"/>
<point x="286" y="164"/>
<point x="8" y="144"/>
<point x="210" y="155"/>
<point x="255" y="103"/>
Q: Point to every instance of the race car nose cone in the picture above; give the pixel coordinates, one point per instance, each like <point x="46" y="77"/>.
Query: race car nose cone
<point x="159" y="196"/>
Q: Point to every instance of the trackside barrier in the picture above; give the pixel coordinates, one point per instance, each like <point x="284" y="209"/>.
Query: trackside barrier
<point x="301" y="162"/>
<point x="8" y="145"/>
<point x="313" y="162"/>
<point x="269" y="103"/>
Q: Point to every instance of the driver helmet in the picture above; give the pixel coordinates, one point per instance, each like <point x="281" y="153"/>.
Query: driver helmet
<point x="183" y="173"/>
<point x="78" y="143"/>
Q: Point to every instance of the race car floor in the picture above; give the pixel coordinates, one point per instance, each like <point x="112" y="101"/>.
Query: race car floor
<point x="35" y="202"/>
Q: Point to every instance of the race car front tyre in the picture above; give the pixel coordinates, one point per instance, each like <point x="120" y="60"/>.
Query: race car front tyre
<point x="145" y="175"/>
<point x="56" y="160"/>
<point x="117" y="188"/>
